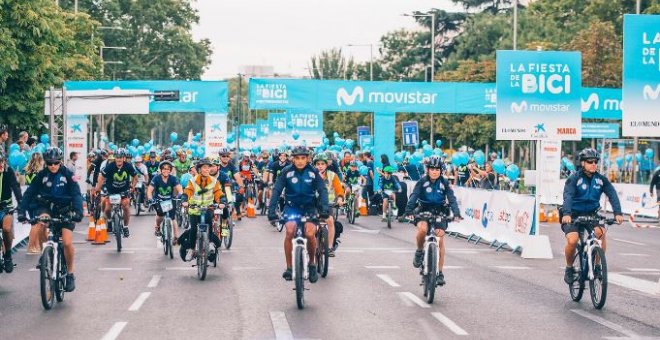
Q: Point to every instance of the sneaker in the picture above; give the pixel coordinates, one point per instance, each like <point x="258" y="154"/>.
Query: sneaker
<point x="224" y="232"/>
<point x="157" y="232"/>
<point x="336" y="244"/>
<point x="127" y="233"/>
<point x="70" y="285"/>
<point x="419" y="256"/>
<point x="212" y="255"/>
<point x="440" y="279"/>
<point x="288" y="274"/>
<point x="9" y="264"/>
<point x="109" y="227"/>
<point x="331" y="253"/>
<point x="189" y="255"/>
<point x="313" y="275"/>
<point x="182" y="253"/>
<point x="569" y="275"/>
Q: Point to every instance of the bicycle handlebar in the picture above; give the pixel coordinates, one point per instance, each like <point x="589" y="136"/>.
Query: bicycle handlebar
<point x="428" y="215"/>
<point x="594" y="220"/>
<point x="48" y="219"/>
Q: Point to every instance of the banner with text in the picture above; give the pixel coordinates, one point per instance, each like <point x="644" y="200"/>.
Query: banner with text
<point x="306" y="128"/>
<point x="215" y="133"/>
<point x="278" y="132"/>
<point x="550" y="189"/>
<point x="641" y="75"/>
<point x="600" y="130"/>
<point x="76" y="141"/>
<point x="262" y="133"/>
<point x="248" y="136"/>
<point x="538" y="95"/>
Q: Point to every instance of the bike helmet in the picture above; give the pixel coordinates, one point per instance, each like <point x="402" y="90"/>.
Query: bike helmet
<point x="91" y="155"/>
<point x="163" y="163"/>
<point x="587" y="154"/>
<point x="352" y="163"/>
<point x="320" y="157"/>
<point x="203" y="161"/>
<point x="434" y="162"/>
<point x="299" y="151"/>
<point x="3" y="128"/>
<point x="282" y="151"/>
<point x="224" y="151"/>
<point x="53" y="155"/>
<point x="389" y="169"/>
<point x="138" y="159"/>
<point x="246" y="154"/>
<point x="103" y="153"/>
<point x="121" y="153"/>
<point x="215" y="161"/>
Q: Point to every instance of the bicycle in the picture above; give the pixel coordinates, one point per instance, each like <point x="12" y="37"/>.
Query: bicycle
<point x="389" y="215"/>
<point x="52" y="264"/>
<point x="429" y="270"/>
<point x="181" y="212"/>
<point x="322" y="249"/>
<point x="166" y="230"/>
<point x="7" y="212"/>
<point x="352" y="203"/>
<point x="117" y="217"/>
<point x="300" y="256"/>
<point x="136" y="198"/>
<point x="264" y="199"/>
<point x="201" y="250"/>
<point x="589" y="255"/>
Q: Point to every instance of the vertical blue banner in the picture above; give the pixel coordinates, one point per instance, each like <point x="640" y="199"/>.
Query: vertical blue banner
<point x="278" y="133"/>
<point x="641" y="75"/>
<point x="383" y="126"/>
<point x="248" y="136"/>
<point x="538" y="95"/>
<point x="366" y="141"/>
<point x="362" y="131"/>
<point x="410" y="133"/>
<point x="262" y="132"/>
<point x="307" y="127"/>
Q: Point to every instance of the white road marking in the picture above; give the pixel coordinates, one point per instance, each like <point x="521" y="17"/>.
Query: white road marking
<point x="154" y="281"/>
<point x="106" y="269"/>
<point x="114" y="251"/>
<point x="606" y="323"/>
<point x="644" y="286"/>
<point x="114" y="331"/>
<point x="449" y="324"/>
<point x="139" y="301"/>
<point x="349" y="251"/>
<point x="452" y="267"/>
<point x="634" y="254"/>
<point x="388" y="280"/>
<point x="511" y="267"/>
<point x="33" y="270"/>
<point x="381" y="267"/>
<point x="280" y="326"/>
<point x="367" y="231"/>
<point x="247" y="268"/>
<point x="644" y="270"/>
<point x="180" y="268"/>
<point x="408" y="251"/>
<point x="629" y="242"/>
<point x="416" y="300"/>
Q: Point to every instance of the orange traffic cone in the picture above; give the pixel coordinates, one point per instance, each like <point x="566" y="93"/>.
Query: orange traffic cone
<point x="542" y="216"/>
<point x="553" y="216"/>
<point x="101" y="231"/>
<point x="250" y="209"/>
<point x="363" y="207"/>
<point x="91" y="230"/>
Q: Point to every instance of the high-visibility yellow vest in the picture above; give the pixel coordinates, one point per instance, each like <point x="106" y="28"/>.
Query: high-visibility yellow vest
<point x="328" y="184"/>
<point x="199" y="198"/>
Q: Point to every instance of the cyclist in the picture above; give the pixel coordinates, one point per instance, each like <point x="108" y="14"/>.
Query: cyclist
<point x="432" y="193"/>
<point x="119" y="177"/>
<point x="246" y="167"/>
<point x="301" y="184"/>
<point x="353" y="176"/>
<point x="335" y="193"/>
<point x="655" y="182"/>
<point x="142" y="176"/>
<point x="582" y="192"/>
<point x="238" y="186"/>
<point x="53" y="191"/>
<point x="8" y="184"/>
<point x="166" y="187"/>
<point x="388" y="182"/>
<point x="181" y="163"/>
<point x="202" y="191"/>
<point x="275" y="167"/>
<point x="152" y="164"/>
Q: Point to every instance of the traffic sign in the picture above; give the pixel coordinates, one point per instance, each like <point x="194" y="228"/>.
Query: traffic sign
<point x="410" y="133"/>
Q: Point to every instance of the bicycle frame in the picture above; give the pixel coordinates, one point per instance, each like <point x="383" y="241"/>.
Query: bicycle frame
<point x="299" y="241"/>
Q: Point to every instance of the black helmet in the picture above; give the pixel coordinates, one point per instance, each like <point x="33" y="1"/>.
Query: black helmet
<point x="165" y="162"/>
<point x="121" y="153"/>
<point x="588" y="153"/>
<point x="435" y="162"/>
<point x="299" y="151"/>
<point x="203" y="161"/>
<point x="3" y="128"/>
<point x="53" y="155"/>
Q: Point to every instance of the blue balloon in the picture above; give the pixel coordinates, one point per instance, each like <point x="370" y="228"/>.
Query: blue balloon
<point x="438" y="143"/>
<point x="425" y="142"/>
<point x="638" y="156"/>
<point x="649" y="153"/>
<point x="136" y="142"/>
<point x="17" y="160"/>
<point x="364" y="170"/>
<point x="295" y="135"/>
<point x="437" y="152"/>
<point x="628" y="158"/>
<point x="427" y="150"/>
<point x="326" y="141"/>
<point x="14" y="147"/>
<point x="44" y="138"/>
<point x="499" y="167"/>
<point x="512" y="172"/>
<point x="335" y="134"/>
<point x="186" y="145"/>
<point x="619" y="162"/>
<point x="173" y="137"/>
<point x="339" y="141"/>
<point x="479" y="157"/>
<point x="185" y="178"/>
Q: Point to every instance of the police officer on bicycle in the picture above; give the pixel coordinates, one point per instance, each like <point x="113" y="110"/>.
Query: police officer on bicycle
<point x="582" y="193"/>
<point x="433" y="194"/>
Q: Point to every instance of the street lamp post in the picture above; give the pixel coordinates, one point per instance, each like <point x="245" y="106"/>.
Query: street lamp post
<point x="371" y="58"/>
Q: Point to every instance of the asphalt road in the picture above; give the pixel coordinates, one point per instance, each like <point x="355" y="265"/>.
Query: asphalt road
<point x="371" y="292"/>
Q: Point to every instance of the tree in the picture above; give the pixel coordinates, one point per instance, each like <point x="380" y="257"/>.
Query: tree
<point x="331" y="64"/>
<point x="601" y="55"/>
<point x="41" y="47"/>
<point x="489" y="6"/>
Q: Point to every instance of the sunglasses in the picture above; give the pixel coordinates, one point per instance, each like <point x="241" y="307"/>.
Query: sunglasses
<point x="224" y="156"/>
<point x="52" y="163"/>
<point x="591" y="161"/>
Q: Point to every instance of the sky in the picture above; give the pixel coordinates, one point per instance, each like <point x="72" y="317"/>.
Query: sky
<point x="285" y="34"/>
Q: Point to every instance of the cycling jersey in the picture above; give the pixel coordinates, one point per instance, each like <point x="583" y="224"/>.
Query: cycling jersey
<point x="164" y="189"/>
<point x="229" y="170"/>
<point x="60" y="188"/>
<point x="352" y="177"/>
<point x="9" y="184"/>
<point x="389" y="184"/>
<point x="432" y="195"/>
<point x="276" y="168"/>
<point x="118" y="180"/>
<point x="245" y="168"/>
<point x="582" y="194"/>
<point x="181" y="167"/>
<point x="152" y="167"/>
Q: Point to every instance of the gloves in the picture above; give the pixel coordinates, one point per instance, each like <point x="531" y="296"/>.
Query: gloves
<point x="324" y="215"/>
<point x="22" y="218"/>
<point x="77" y="217"/>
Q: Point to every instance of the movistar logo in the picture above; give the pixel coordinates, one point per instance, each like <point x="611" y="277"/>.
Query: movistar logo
<point x="650" y="93"/>
<point x="165" y="191"/>
<point x="343" y="96"/>
<point x="518" y="108"/>
<point x="593" y="102"/>
<point x="118" y="178"/>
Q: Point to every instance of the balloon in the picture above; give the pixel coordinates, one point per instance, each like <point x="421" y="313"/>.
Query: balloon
<point x="339" y="141"/>
<point x="364" y="170"/>
<point x="44" y="138"/>
<point x="40" y="148"/>
<point x="173" y="137"/>
<point x="425" y="142"/>
<point x="186" y="145"/>
<point x="499" y="167"/>
<point x="638" y="156"/>
<point x="295" y="135"/>
<point x="398" y="157"/>
<point x="438" y="143"/>
<point x="479" y="157"/>
<point x="135" y="142"/>
<point x="17" y="160"/>
<point x="184" y="179"/>
<point x="437" y="152"/>
<point x="14" y="147"/>
<point x="428" y="150"/>
<point x="570" y="166"/>
<point x="628" y="158"/>
<point x="619" y="162"/>
<point x="649" y="153"/>
<point x="359" y="163"/>
<point x="335" y="134"/>
<point x="326" y="141"/>
<point x="512" y="172"/>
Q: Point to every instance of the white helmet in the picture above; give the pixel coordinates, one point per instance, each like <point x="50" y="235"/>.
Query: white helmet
<point x="246" y="153"/>
<point x="137" y="159"/>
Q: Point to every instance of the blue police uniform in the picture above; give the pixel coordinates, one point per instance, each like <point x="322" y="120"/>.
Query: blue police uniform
<point x="582" y="194"/>
<point x="433" y="195"/>
<point x="301" y="189"/>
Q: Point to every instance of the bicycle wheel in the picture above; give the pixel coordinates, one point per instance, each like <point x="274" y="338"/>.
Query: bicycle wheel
<point x="336" y="212"/>
<point x="577" y="287"/>
<point x="46" y="283"/>
<point x="61" y="276"/>
<point x="598" y="286"/>
<point x="168" y="238"/>
<point x="354" y="210"/>
<point x="299" y="277"/>
<point x="137" y="204"/>
<point x="429" y="280"/>
<point x="118" y="228"/>
<point x="202" y="255"/>
<point x="389" y="215"/>
<point x="227" y="240"/>
<point x="325" y="252"/>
